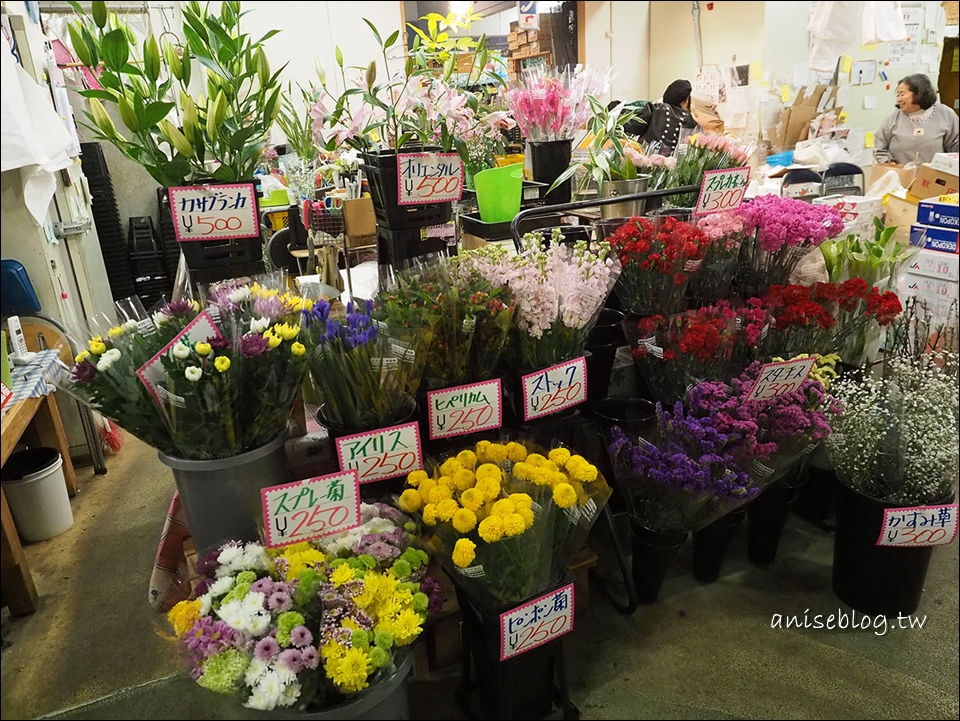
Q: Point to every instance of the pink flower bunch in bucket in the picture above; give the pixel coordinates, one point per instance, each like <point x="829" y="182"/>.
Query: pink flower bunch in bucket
<point x="552" y="104"/>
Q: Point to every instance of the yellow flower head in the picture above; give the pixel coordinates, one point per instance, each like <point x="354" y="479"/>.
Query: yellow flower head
<point x="299" y="557"/>
<point x="488" y="469"/>
<point x="341" y="575"/>
<point x="286" y="331"/>
<point x="349" y="673"/>
<point x="82" y="356"/>
<point x="489" y="487"/>
<point x="580" y="469"/>
<point x="446" y="508"/>
<point x="496" y="453"/>
<point x="491" y="529"/>
<point x="482" y="447"/>
<point x="203" y="349"/>
<point x="560" y="456"/>
<point x="427" y="485"/>
<point x="472" y="498"/>
<point x="463" y="479"/>
<point x="116" y="331"/>
<point x="558" y="477"/>
<point x="521" y="500"/>
<point x="97" y="346"/>
<point x="449" y="467"/>
<point x="540" y="476"/>
<point x="513" y="524"/>
<point x="467" y="459"/>
<point x="222" y="363"/>
<point x="445" y="481"/>
<point x="410" y="501"/>
<point x="564" y="495"/>
<point x="416" y="477"/>
<point x="273" y="340"/>
<point x="464" y="552"/>
<point x="430" y="514"/>
<point x="535" y="459"/>
<point x="438" y="494"/>
<point x="183" y="616"/>
<point x="523" y="471"/>
<point x="504" y="507"/>
<point x="516" y="452"/>
<point x="527" y="515"/>
<point x="298" y="349"/>
<point x="464" y="520"/>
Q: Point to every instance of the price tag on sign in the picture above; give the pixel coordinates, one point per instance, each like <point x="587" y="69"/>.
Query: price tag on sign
<point x="722" y="190"/>
<point x="152" y="373"/>
<point x="465" y="409"/>
<point x="382" y="454"/>
<point x="919" y="526"/>
<point x="536" y="623"/>
<point x="5" y="395"/>
<point x="429" y="178"/>
<point x="212" y="212"/>
<point x="311" y="509"/>
<point x="776" y="379"/>
<point x="554" y="389"/>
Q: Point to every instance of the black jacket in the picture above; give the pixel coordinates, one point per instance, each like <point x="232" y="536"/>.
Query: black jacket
<point x="659" y="122"/>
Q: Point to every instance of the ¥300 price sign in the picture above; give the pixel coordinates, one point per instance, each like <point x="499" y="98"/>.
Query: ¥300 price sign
<point x="919" y="526"/>
<point x="722" y="190"/>
<point x="536" y="623"/>
<point x="212" y="212"/>
<point x="777" y="379"/>
<point x="382" y="454"/>
<point x="429" y="178"/>
<point x="310" y="509"/>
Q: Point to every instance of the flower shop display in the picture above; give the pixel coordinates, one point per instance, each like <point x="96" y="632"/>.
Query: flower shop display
<point x="658" y="257"/>
<point x="779" y="232"/>
<point x="894" y="447"/>
<point x="228" y="123"/>
<point x="703" y="152"/>
<point x="368" y="371"/>
<point x="309" y="629"/>
<point x="880" y="261"/>
<point x="713" y="281"/>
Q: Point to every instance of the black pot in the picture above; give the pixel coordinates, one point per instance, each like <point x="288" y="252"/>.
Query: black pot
<point x="608" y="328"/>
<point x="548" y="160"/>
<point x="767" y="515"/>
<point x="817" y="499"/>
<point x="653" y="554"/>
<point x="710" y="545"/>
<point x="872" y="579"/>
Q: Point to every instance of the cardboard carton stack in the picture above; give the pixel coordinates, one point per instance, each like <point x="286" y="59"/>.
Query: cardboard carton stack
<point x="934" y="275"/>
<point x="794" y="124"/>
<point x="523" y="43"/>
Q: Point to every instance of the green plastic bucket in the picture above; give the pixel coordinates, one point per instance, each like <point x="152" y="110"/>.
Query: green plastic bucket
<point x="498" y="193"/>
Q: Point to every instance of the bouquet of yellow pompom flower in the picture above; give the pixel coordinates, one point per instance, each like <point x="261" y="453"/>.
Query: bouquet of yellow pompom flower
<point x="504" y="519"/>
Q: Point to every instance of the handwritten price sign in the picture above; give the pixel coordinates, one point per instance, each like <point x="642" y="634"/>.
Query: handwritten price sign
<point x="214" y="212"/>
<point x="919" y="526"/>
<point x="722" y="190"/>
<point x="554" y="389"/>
<point x="536" y="623"/>
<point x="382" y="454"/>
<point x="776" y="379"/>
<point x="152" y="373"/>
<point x="310" y="509"/>
<point x="429" y="178"/>
<point x="465" y="409"/>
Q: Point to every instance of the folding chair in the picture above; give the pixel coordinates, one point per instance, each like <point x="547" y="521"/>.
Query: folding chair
<point x="802" y="184"/>
<point x="843" y="179"/>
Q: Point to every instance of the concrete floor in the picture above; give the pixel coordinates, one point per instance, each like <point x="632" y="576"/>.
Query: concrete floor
<point x="95" y="650"/>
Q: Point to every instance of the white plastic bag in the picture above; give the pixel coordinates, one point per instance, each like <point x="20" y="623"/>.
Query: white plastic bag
<point x="886" y="183"/>
<point x="811" y="269"/>
<point x="833" y="28"/>
<point x="883" y="23"/>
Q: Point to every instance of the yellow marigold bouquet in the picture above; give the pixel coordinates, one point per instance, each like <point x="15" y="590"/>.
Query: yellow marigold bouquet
<point x="504" y="519"/>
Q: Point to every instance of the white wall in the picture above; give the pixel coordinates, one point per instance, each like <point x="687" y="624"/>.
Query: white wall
<point x="618" y="36"/>
<point x="498" y="24"/>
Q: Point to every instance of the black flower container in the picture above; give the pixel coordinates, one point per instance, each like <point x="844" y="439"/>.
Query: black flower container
<point x="710" y="545"/>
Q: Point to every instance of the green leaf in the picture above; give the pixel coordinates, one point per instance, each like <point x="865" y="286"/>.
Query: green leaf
<point x="225" y="173"/>
<point x="99" y="12"/>
<point x="115" y="50"/>
<point x="376" y="33"/>
<point x="99" y="94"/>
<point x="392" y="39"/>
<point x="80" y="47"/>
<point x="156" y="111"/>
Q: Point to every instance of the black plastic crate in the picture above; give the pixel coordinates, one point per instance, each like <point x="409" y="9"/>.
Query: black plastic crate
<point x="394" y="247"/>
<point x="381" y="172"/>
<point x="472" y="224"/>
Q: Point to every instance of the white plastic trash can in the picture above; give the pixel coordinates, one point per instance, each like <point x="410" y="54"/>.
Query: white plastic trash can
<point x="37" y="493"/>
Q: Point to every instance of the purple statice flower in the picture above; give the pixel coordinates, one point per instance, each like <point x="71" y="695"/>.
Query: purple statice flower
<point x="301" y="636"/>
<point x="253" y="345"/>
<point x="84" y="372"/>
<point x="280" y="601"/>
<point x="267" y="648"/>
<point x="310" y="657"/>
<point x="292" y="659"/>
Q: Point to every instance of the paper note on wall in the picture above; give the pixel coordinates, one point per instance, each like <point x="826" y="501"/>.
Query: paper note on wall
<point x="868" y="140"/>
<point x="785" y="94"/>
<point x="758" y="76"/>
<point x="801" y="75"/>
<point x="869" y="102"/>
<point x="847" y="64"/>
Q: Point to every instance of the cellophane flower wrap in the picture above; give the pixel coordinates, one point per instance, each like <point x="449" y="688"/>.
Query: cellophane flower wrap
<point x="266" y="319"/>
<point x="896" y="438"/>
<point x="703" y="152"/>
<point x="824" y="318"/>
<point x="368" y="375"/>
<point x="713" y="281"/>
<point x="559" y="291"/>
<point x="553" y="104"/>
<point x="658" y="257"/>
<point x="881" y="260"/>
<point x="658" y="167"/>
<point x="504" y="521"/>
<point x="710" y="343"/>
<point x="779" y="232"/>
<point x="686" y="475"/>
<point x="305" y="629"/>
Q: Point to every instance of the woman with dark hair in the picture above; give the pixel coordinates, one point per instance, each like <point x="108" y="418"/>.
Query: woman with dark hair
<point x="919" y="128"/>
<point x="663" y="122"/>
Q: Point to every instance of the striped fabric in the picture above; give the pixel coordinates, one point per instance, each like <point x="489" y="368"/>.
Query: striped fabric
<point x="37" y="378"/>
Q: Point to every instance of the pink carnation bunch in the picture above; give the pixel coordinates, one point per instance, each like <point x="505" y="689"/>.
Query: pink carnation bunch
<point x="789" y="222"/>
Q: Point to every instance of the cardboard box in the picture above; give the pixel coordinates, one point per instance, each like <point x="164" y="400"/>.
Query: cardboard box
<point x="931" y="237"/>
<point x="899" y="211"/>
<point x="877" y="170"/>
<point x="852" y="203"/>
<point x="942" y="215"/>
<point x="471" y="242"/>
<point x="943" y="266"/>
<point x="930" y="182"/>
<point x="947" y="162"/>
<point x="937" y="295"/>
<point x="533" y="47"/>
<point x="359" y="218"/>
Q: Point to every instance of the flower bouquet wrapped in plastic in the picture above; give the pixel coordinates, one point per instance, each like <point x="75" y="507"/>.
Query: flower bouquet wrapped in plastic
<point x="302" y="627"/>
<point x="658" y="257"/>
<point x="559" y="292"/>
<point x="703" y="152"/>
<point x="712" y="282"/>
<point x="778" y="233"/>
<point x="880" y="261"/>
